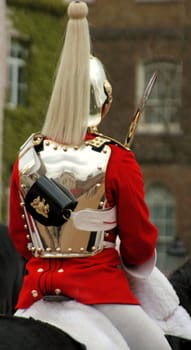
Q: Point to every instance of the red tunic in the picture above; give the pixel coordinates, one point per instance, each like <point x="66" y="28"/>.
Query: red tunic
<point x="100" y="278"/>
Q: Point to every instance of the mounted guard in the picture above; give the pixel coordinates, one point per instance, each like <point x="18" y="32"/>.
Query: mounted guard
<point x="74" y="192"/>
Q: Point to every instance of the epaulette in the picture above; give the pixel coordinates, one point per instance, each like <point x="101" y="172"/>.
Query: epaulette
<point x="101" y="140"/>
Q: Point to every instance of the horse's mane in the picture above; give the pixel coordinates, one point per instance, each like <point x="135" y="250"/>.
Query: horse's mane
<point x="181" y="281"/>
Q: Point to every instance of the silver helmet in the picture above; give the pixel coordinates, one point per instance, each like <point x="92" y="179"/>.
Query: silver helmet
<point x="100" y="91"/>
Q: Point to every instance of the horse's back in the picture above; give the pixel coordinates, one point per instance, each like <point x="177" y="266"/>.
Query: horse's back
<point x="11" y="272"/>
<point x="181" y="281"/>
<point x="18" y="333"/>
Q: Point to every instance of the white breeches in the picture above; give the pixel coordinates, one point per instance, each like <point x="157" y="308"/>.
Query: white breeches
<point x="137" y="328"/>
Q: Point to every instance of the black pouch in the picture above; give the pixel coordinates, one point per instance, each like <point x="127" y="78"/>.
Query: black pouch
<point x="49" y="203"/>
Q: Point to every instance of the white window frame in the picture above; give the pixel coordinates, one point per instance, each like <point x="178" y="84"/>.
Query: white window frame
<point x="15" y="64"/>
<point x="156" y="127"/>
<point x="160" y="196"/>
<point x="165" y="261"/>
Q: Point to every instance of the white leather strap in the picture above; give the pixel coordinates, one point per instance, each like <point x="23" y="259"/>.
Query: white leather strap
<point x="95" y="219"/>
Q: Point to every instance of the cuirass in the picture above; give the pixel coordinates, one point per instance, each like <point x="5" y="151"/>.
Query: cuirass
<point x="82" y="171"/>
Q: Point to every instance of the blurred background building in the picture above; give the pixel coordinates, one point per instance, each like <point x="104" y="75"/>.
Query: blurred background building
<point x="134" y="38"/>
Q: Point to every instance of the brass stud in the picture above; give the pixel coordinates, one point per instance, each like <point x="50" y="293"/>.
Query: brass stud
<point x="33" y="249"/>
<point x="23" y="216"/>
<point x="22" y="204"/>
<point x="65" y="149"/>
<point x="28" y="237"/>
<point x="93" y="248"/>
<point x="57" y="291"/>
<point x="69" y="249"/>
<point x="48" y="249"/>
<point x="82" y="249"/>
<point x="47" y="143"/>
<point x="61" y="270"/>
<point x="39" y="250"/>
<point x="55" y="147"/>
<point x="58" y="249"/>
<point x="23" y="186"/>
<point x="25" y="226"/>
<point x="106" y="234"/>
<point x="40" y="269"/>
<point x="76" y="148"/>
<point x="98" y="185"/>
<point x="34" y="293"/>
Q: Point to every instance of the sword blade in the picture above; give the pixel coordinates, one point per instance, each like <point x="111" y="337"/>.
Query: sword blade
<point x="137" y="115"/>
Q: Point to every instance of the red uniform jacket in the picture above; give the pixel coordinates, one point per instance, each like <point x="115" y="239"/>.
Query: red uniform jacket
<point x="100" y="278"/>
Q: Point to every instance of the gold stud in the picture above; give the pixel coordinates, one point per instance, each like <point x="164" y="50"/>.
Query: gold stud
<point x="34" y="293"/>
<point x="61" y="270"/>
<point x="40" y="269"/>
<point x="98" y="185"/>
<point x="70" y="249"/>
<point x="48" y="249"/>
<point x="82" y="249"/>
<point x="93" y="248"/>
<point x="57" y="291"/>
<point x="58" y="249"/>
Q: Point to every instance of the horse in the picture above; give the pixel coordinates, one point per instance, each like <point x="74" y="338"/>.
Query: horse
<point x="181" y="282"/>
<point x="11" y="272"/>
<point x="17" y="331"/>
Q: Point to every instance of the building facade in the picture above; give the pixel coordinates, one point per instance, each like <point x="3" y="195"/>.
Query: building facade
<point x="3" y="75"/>
<point x="134" y="39"/>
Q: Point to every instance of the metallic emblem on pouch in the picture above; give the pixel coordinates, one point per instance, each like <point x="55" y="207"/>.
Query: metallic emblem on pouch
<point x="58" y="229"/>
<point x="40" y="206"/>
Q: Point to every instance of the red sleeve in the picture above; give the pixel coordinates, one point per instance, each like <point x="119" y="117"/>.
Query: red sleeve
<point x="17" y="229"/>
<point x="125" y="189"/>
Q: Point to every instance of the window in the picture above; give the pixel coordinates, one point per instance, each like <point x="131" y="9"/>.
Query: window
<point x="161" y="110"/>
<point x="17" y="85"/>
<point x="87" y="1"/>
<point x="162" y="207"/>
<point x="162" y="210"/>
